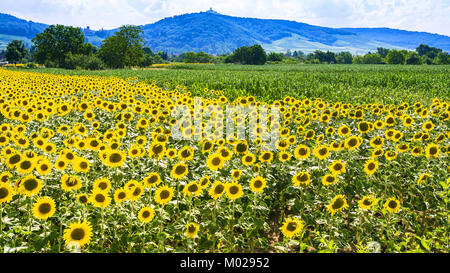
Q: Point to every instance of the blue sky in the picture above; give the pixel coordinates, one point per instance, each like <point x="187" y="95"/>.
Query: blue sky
<point x="417" y="15"/>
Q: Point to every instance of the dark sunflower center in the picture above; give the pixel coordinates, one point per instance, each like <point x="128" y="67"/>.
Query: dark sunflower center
<point x="164" y="194"/>
<point x="191" y="229"/>
<point x="338" y="166"/>
<point x="83" y="165"/>
<point x="371" y="166"/>
<point x="185" y="154"/>
<point x="323" y="151"/>
<point x="146" y="214"/>
<point x="100" y="198"/>
<point x="115" y="157"/>
<point x="14" y="159"/>
<point x="219" y="189"/>
<point x="193" y="188"/>
<point x="339" y="203"/>
<point x="121" y="195"/>
<point x="77" y="234"/>
<point x="83" y="199"/>
<point x="30" y="184"/>
<point x="433" y="150"/>
<point x="137" y="191"/>
<point x="291" y="226"/>
<point x="3" y="193"/>
<point x="25" y="165"/>
<point x="367" y="202"/>
<point x="103" y="185"/>
<point x="392" y="204"/>
<point x="352" y="142"/>
<point x="157" y="149"/>
<point x="180" y="169"/>
<point x="234" y="189"/>
<point x="216" y="161"/>
<point x="302" y="151"/>
<point x="45" y="208"/>
<point x="258" y="184"/>
<point x="152" y="179"/>
<point x="330" y="179"/>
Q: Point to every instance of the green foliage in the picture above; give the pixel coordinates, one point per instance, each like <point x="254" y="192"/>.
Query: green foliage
<point x="395" y="57"/>
<point x="124" y="48"/>
<point x="80" y="61"/>
<point x="427" y="50"/>
<point x="412" y="58"/>
<point x="442" y="58"/>
<point x="16" y="51"/>
<point x="52" y="45"/>
<point x="254" y="54"/>
<point x="344" y="58"/>
<point x="372" y="58"/>
<point x="275" y="57"/>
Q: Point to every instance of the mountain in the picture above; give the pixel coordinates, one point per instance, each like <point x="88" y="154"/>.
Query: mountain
<point x="215" y="33"/>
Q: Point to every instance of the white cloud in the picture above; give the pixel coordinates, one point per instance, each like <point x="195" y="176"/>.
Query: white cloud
<point x="418" y="15"/>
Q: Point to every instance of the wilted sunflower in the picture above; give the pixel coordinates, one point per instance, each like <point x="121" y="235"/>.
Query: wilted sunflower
<point x="291" y="227"/>
<point x="217" y="189"/>
<point x="163" y="195"/>
<point x="6" y="193"/>
<point x="337" y="204"/>
<point x="99" y="199"/>
<point x="301" y="178"/>
<point x="146" y="214"/>
<point x="192" y="230"/>
<point x="44" y="208"/>
<point x="257" y="184"/>
<point x="371" y="166"/>
<point x="392" y="205"/>
<point x="423" y="178"/>
<point x="179" y="171"/>
<point x="192" y="189"/>
<point x="78" y="232"/>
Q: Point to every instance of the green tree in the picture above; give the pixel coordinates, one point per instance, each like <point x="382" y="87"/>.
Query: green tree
<point x="427" y="50"/>
<point x="442" y="58"/>
<point x="275" y="57"/>
<point x="412" y="58"/>
<point x="395" y="57"/>
<point x="344" y="58"/>
<point x="56" y="41"/>
<point x="372" y="58"/>
<point x="16" y="51"/>
<point x="382" y="51"/>
<point x="124" y="48"/>
<point x="254" y="54"/>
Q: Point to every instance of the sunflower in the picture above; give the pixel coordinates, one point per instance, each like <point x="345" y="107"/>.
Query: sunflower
<point x="301" y="152"/>
<point x="192" y="189"/>
<point x="192" y="230"/>
<point x="416" y="151"/>
<point x="266" y="157"/>
<point x="151" y="180"/>
<point x="186" y="153"/>
<point x="337" y="167"/>
<point x="248" y="159"/>
<point x="164" y="195"/>
<point x="428" y="126"/>
<point x="329" y="179"/>
<point x="241" y="147"/>
<point x="179" y="171"/>
<point x="371" y="166"/>
<point x="5" y="176"/>
<point x="69" y="182"/>
<point x="367" y="202"/>
<point x="120" y="195"/>
<point x="321" y="152"/>
<point x="390" y="155"/>
<point x="79" y="233"/>
<point x="352" y="142"/>
<point x="234" y="190"/>
<point x="99" y="199"/>
<point x="44" y="167"/>
<point x="432" y="150"/>
<point x="291" y="227"/>
<point x="257" y="184"/>
<point x="25" y="166"/>
<point x="217" y="189"/>
<point x="146" y="214"/>
<point x="83" y="198"/>
<point x="236" y="174"/>
<point x="301" y="178"/>
<point x="135" y="192"/>
<point x="81" y="165"/>
<point x="114" y="158"/>
<point x="6" y="193"/>
<point x="44" y="208"/>
<point x="102" y="184"/>
<point x="337" y="204"/>
<point x="284" y="156"/>
<point x="30" y="185"/>
<point x="344" y="131"/>
<point x="392" y="205"/>
<point x="214" y="162"/>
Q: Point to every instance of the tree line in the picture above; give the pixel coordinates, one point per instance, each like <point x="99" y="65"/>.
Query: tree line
<point x="65" y="47"/>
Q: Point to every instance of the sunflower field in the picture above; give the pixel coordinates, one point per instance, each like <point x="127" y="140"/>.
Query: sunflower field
<point x="89" y="164"/>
